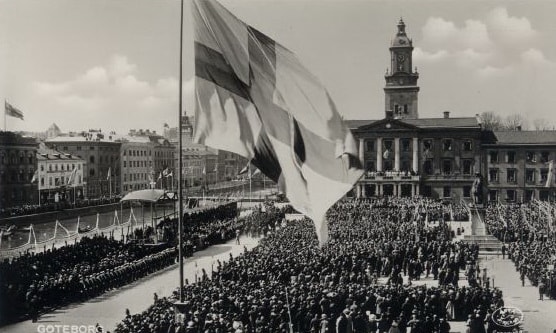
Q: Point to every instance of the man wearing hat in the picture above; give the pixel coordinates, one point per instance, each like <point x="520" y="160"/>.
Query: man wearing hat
<point x="344" y="323"/>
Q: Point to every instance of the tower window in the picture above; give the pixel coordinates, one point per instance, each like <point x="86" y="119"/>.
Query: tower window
<point x="405" y="109"/>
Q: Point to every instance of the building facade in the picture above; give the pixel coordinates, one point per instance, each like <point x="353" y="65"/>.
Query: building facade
<point x="59" y="176"/>
<point x="101" y="153"/>
<point x="518" y="165"/>
<point x="17" y="166"/>
<point x="404" y="155"/>
<point x="137" y="164"/>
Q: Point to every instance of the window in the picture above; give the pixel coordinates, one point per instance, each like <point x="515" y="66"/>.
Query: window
<point x="447" y="167"/>
<point x="91" y="159"/>
<point x="50" y="181"/>
<point x="370" y="144"/>
<point x="467" y="191"/>
<point x="467" y="167"/>
<point x="78" y="148"/>
<point x="79" y="167"/>
<point x="493" y="156"/>
<point x="62" y="167"/>
<point x="447" y="144"/>
<point x="510" y="157"/>
<point x="544" y="175"/>
<point x="529" y="195"/>
<point x="124" y="164"/>
<point x="493" y="175"/>
<point x="530" y="175"/>
<point x="65" y="148"/>
<point x="42" y="181"/>
<point x="42" y="167"/>
<point x="493" y="195"/>
<point x="467" y="145"/>
<point x="544" y="156"/>
<point x="370" y="166"/>
<point x="510" y="195"/>
<point x="427" y="145"/>
<point x="405" y="165"/>
<point x="447" y="191"/>
<point x="91" y="148"/>
<point x="428" y="167"/>
<point x="50" y="167"/>
<point x="55" y="167"/>
<point x="530" y="157"/>
<point x="511" y="175"/>
<point x="92" y="172"/>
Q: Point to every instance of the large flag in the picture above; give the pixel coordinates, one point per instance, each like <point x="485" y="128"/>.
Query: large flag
<point x="254" y="98"/>
<point x="550" y="175"/>
<point x="12" y="111"/>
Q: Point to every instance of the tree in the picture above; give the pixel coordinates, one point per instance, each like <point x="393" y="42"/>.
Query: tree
<point x="541" y="124"/>
<point x="491" y="121"/>
<point x="514" y="122"/>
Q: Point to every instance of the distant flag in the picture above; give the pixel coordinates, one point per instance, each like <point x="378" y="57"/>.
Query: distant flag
<point x="254" y="98"/>
<point x="159" y="176"/>
<point x="165" y="172"/>
<point x="170" y="174"/>
<point x="204" y="170"/>
<point x="245" y="169"/>
<point x="109" y="175"/>
<point x="550" y="175"/>
<point x="71" y="179"/>
<point x="12" y="111"/>
<point x="151" y="178"/>
<point x="35" y="176"/>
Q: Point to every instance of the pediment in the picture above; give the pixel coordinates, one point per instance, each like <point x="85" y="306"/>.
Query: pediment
<point x="387" y="125"/>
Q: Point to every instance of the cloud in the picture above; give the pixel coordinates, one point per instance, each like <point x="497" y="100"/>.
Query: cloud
<point x="497" y="43"/>
<point x="112" y="95"/>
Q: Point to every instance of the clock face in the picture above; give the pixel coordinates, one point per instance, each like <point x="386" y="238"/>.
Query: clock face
<point x="401" y="57"/>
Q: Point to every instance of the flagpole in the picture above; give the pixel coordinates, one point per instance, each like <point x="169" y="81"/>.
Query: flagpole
<point x="5" y="118"/>
<point x="180" y="194"/>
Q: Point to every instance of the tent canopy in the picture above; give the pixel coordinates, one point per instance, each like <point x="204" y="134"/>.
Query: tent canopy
<point x="149" y="195"/>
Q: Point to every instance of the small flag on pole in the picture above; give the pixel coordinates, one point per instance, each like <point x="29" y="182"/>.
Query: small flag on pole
<point x="35" y="176"/>
<point x="72" y="177"/>
<point x="169" y="174"/>
<point x="165" y="172"/>
<point x="109" y="174"/>
<point x="550" y="175"/>
<point x="159" y="176"/>
<point x="256" y="99"/>
<point x="12" y="111"/>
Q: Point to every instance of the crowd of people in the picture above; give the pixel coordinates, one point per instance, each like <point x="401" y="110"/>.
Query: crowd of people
<point x="36" y="282"/>
<point x="363" y="280"/>
<point x="531" y="242"/>
<point x="54" y="206"/>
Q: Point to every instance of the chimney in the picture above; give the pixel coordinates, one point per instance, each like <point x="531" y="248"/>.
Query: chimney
<point x="446" y="114"/>
<point x="389" y="114"/>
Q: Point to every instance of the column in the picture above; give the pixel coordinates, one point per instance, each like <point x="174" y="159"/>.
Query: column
<point x="413" y="190"/>
<point x="397" y="154"/>
<point x="417" y="189"/>
<point x="379" y="154"/>
<point x="363" y="191"/>
<point x="415" y="155"/>
<point x="362" y="152"/>
<point x="358" y="186"/>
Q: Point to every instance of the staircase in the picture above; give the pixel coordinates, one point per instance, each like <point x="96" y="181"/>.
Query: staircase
<point x="488" y="244"/>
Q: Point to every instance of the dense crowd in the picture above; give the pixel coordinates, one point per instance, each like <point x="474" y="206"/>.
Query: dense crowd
<point x="34" y="283"/>
<point x="54" y="206"/>
<point x="363" y="280"/>
<point x="531" y="241"/>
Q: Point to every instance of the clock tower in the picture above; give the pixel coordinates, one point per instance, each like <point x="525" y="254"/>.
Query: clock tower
<point x="401" y="88"/>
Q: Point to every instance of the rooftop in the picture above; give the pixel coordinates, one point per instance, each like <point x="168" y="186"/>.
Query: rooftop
<point x="525" y="137"/>
<point x="459" y="122"/>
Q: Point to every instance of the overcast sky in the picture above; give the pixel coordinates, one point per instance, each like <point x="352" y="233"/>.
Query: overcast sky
<point x="113" y="64"/>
